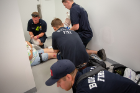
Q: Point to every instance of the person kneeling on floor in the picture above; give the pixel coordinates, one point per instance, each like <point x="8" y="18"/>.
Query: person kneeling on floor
<point x="39" y="56"/>
<point x="66" y="75"/>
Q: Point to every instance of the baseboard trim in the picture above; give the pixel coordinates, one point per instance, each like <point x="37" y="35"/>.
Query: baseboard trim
<point x="111" y="61"/>
<point x="33" y="90"/>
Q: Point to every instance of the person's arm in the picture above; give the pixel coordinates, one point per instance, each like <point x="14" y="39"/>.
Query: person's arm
<point x="75" y="27"/>
<point x="40" y="35"/>
<point x="74" y="17"/>
<point x="30" y="57"/>
<point x="31" y="34"/>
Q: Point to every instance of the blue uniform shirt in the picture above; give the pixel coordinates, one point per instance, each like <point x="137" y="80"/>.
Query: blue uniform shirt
<point x="78" y="15"/>
<point x="37" y="28"/>
<point x="104" y="82"/>
<point x="70" y="46"/>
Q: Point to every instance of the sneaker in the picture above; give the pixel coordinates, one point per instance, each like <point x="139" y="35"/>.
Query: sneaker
<point x="42" y="46"/>
<point x="101" y="54"/>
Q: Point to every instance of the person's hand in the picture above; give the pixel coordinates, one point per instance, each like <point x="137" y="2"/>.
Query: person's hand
<point x="67" y="22"/>
<point x="32" y="36"/>
<point x="35" y="37"/>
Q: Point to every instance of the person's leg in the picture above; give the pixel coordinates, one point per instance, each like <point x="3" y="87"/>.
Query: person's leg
<point x="41" y="41"/>
<point x="46" y="50"/>
<point x="52" y="55"/>
<point x="46" y="56"/>
<point x="36" y="61"/>
<point x="85" y="40"/>
<point x="91" y="51"/>
<point x="100" y="53"/>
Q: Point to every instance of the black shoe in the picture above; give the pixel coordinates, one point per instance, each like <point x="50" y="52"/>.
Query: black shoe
<point x="42" y="46"/>
<point x="101" y="54"/>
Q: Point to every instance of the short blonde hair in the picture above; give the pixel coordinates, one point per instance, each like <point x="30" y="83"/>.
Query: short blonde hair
<point x="35" y="14"/>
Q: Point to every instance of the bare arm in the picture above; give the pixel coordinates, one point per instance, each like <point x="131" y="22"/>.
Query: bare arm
<point x="41" y="34"/>
<point x="38" y="36"/>
<point x="31" y="34"/>
<point x="75" y="27"/>
<point x="30" y="57"/>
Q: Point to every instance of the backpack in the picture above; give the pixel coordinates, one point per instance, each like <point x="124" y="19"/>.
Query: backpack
<point x="126" y="72"/>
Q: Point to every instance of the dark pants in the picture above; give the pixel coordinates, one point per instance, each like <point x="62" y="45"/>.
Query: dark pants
<point x="59" y="57"/>
<point x="85" y="40"/>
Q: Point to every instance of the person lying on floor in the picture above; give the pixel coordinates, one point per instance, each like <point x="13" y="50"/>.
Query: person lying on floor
<point x="39" y="56"/>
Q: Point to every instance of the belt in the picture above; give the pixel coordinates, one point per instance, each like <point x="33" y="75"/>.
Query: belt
<point x="81" y="66"/>
<point x="40" y="58"/>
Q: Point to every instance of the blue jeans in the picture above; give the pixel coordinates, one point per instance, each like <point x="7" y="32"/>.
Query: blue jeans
<point x="37" y="59"/>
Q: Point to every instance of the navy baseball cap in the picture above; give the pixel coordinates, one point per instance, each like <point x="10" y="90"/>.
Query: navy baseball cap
<point x="60" y="69"/>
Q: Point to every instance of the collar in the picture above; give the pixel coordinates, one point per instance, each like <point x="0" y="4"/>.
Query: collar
<point x="76" y="78"/>
<point x="73" y="4"/>
<point x="61" y="29"/>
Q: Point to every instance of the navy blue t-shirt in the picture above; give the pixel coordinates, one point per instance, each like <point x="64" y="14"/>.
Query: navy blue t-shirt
<point x="104" y="82"/>
<point x="78" y="15"/>
<point x="37" y="28"/>
<point x="70" y="46"/>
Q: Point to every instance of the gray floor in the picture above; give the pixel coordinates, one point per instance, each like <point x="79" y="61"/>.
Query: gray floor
<point x="41" y="73"/>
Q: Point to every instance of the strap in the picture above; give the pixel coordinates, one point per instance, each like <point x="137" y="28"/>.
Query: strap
<point x="40" y="58"/>
<point x="138" y="81"/>
<point x="90" y="73"/>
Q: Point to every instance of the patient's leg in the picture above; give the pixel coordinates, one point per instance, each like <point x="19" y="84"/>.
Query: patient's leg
<point x="51" y="55"/>
<point x="91" y="51"/>
<point x="46" y="50"/>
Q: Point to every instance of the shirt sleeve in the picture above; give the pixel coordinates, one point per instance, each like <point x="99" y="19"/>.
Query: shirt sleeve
<point x="44" y="27"/>
<point x="74" y="16"/>
<point x="54" y="43"/>
<point x="29" y="26"/>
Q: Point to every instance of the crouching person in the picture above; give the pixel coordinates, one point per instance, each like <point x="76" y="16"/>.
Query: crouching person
<point x="39" y="56"/>
<point x="66" y="75"/>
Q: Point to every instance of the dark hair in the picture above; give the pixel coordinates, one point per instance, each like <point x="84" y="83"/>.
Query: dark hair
<point x="35" y="14"/>
<point x="66" y="0"/>
<point x="56" y="22"/>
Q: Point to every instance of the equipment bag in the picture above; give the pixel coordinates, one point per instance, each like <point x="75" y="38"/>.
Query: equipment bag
<point x="126" y="72"/>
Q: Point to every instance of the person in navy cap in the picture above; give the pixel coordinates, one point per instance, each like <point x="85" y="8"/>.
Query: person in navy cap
<point x="64" y="73"/>
<point x="81" y="25"/>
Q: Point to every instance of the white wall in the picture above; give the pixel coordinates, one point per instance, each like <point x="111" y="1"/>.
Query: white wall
<point x="26" y="8"/>
<point x="15" y="70"/>
<point x="60" y="10"/>
<point x="48" y="14"/>
<point x="115" y="25"/>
